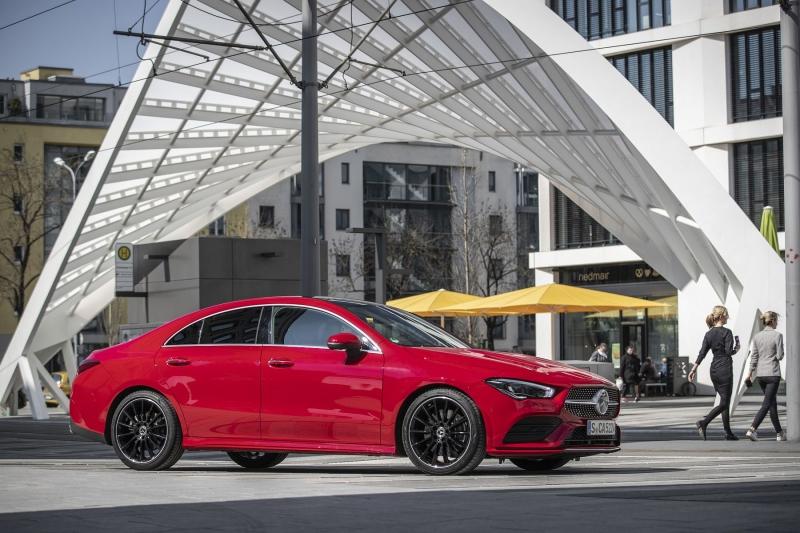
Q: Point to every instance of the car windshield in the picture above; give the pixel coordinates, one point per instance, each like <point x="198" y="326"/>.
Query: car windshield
<point x="400" y="327"/>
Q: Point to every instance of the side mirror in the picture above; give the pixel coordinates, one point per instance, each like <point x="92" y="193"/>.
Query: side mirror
<point x="347" y="342"/>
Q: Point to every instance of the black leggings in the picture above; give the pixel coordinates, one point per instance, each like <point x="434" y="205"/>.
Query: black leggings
<point x="722" y="378"/>
<point x="769" y="385"/>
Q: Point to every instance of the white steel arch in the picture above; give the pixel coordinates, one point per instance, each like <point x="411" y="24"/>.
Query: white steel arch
<point x="502" y="76"/>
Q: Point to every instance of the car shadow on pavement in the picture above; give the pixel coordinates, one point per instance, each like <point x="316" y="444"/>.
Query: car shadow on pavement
<point x="659" y="509"/>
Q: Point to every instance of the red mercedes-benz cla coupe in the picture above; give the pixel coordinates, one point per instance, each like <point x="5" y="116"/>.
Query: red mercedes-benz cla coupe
<point x="265" y="377"/>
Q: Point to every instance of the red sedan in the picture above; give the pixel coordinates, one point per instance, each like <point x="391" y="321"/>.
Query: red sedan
<point x="266" y="377"/>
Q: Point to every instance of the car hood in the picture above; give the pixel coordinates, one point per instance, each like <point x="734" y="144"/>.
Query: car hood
<point x="517" y="366"/>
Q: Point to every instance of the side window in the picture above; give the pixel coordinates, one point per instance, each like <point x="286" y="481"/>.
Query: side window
<point x="264" y="325"/>
<point x="231" y="327"/>
<point x="188" y="335"/>
<point x="299" y="326"/>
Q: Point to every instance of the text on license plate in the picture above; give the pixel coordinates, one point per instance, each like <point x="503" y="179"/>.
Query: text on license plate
<point x="600" y="427"/>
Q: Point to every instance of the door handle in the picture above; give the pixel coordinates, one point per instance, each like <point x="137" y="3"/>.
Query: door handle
<point x="280" y="363"/>
<point x="178" y="362"/>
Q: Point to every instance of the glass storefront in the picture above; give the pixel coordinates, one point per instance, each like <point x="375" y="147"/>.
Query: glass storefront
<point x="653" y="332"/>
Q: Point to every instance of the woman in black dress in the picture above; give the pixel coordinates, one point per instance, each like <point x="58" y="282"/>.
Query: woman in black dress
<point x="630" y="368"/>
<point x="720" y="341"/>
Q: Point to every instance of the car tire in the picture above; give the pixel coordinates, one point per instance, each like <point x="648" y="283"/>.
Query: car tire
<point x="145" y="432"/>
<point x="541" y="465"/>
<point x="257" y="459"/>
<point x="443" y="433"/>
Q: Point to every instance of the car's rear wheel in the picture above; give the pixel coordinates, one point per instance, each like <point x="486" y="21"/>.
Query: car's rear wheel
<point x="541" y="465"/>
<point x="443" y="433"/>
<point x="257" y="459"/>
<point x="145" y="432"/>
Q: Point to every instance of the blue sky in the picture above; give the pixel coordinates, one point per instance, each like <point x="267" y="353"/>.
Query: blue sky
<point x="77" y="35"/>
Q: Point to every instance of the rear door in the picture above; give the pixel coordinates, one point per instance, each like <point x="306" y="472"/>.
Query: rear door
<point x="311" y="394"/>
<point x="211" y="368"/>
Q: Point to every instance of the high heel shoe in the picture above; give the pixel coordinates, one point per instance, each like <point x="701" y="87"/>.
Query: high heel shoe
<point x="701" y="429"/>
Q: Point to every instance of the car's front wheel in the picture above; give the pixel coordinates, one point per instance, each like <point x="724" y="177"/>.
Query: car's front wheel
<point x="257" y="459"/>
<point x="541" y="465"/>
<point x="145" y="432"/>
<point x="443" y="433"/>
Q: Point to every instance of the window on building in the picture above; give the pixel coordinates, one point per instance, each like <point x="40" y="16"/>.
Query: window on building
<point x="19" y="153"/>
<point x="495" y="225"/>
<point x="597" y="19"/>
<point x="19" y="254"/>
<point x="217" y="227"/>
<point x="298" y="326"/>
<point x="345" y="173"/>
<point x="575" y="228"/>
<point x="499" y="329"/>
<point x="756" y="74"/>
<point x="70" y="108"/>
<point x="343" y="265"/>
<point x="266" y="216"/>
<point x="528" y="189"/>
<point x="18" y="203"/>
<point x="492" y="181"/>
<point x="342" y="219"/>
<point x="415" y="183"/>
<point x="3" y="104"/>
<point x="239" y="326"/>
<point x="758" y="178"/>
<point x="744" y="5"/>
<point x="650" y="72"/>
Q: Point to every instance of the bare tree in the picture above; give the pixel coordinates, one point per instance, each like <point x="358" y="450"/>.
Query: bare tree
<point x="22" y="202"/>
<point x="485" y="262"/>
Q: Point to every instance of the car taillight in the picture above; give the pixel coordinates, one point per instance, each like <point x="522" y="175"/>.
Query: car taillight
<point x="87" y="364"/>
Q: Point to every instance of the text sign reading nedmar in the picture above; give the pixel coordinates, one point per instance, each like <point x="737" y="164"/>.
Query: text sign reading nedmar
<point x="123" y="267"/>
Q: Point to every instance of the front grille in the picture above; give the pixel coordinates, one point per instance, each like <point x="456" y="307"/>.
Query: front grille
<point x="579" y="399"/>
<point x="578" y="437"/>
<point x="532" y="429"/>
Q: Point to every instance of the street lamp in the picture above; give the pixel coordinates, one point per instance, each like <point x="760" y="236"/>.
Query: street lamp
<point x="72" y="173"/>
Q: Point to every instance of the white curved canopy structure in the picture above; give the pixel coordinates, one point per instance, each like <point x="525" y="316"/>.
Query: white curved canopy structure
<point x="503" y="76"/>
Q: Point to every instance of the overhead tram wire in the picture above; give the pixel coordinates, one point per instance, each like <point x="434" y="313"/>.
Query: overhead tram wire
<point x="29" y="17"/>
<point x="131" y="82"/>
<point x="278" y="22"/>
<point x="432" y="71"/>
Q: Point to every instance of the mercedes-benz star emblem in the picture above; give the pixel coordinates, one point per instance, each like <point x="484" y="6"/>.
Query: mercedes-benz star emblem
<point x="600" y="401"/>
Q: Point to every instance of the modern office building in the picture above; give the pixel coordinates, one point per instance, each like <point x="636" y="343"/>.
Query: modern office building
<point x="47" y="114"/>
<point x="721" y="92"/>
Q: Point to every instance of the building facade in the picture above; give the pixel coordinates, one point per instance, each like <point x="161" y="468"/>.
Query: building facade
<point x="454" y="218"/>
<point x="721" y="93"/>
<point x="48" y="114"/>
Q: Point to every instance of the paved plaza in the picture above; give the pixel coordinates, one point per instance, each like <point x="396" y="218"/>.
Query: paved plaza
<point x="665" y="479"/>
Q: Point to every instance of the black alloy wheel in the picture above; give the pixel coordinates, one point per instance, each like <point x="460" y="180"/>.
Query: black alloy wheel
<point x="541" y="465"/>
<point x="257" y="459"/>
<point x="443" y="433"/>
<point x="145" y="432"/>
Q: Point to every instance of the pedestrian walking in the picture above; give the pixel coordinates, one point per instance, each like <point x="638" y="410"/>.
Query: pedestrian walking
<point x="765" y="358"/>
<point x="721" y="342"/>
<point x="600" y="354"/>
<point x="630" y="368"/>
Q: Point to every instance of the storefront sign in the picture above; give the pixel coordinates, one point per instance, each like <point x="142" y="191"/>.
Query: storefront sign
<point x="607" y="274"/>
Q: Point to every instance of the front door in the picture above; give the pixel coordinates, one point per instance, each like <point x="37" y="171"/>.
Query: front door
<point x="312" y="394"/>
<point x="211" y="368"/>
<point x="633" y="334"/>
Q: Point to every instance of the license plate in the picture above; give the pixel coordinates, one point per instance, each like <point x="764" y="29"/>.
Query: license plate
<point x="601" y="428"/>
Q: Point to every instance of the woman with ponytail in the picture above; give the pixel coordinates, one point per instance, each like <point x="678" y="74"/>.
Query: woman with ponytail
<point x="765" y="360"/>
<point x="720" y="341"/>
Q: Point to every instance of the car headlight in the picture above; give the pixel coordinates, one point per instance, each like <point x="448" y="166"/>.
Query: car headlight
<point x="521" y="390"/>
